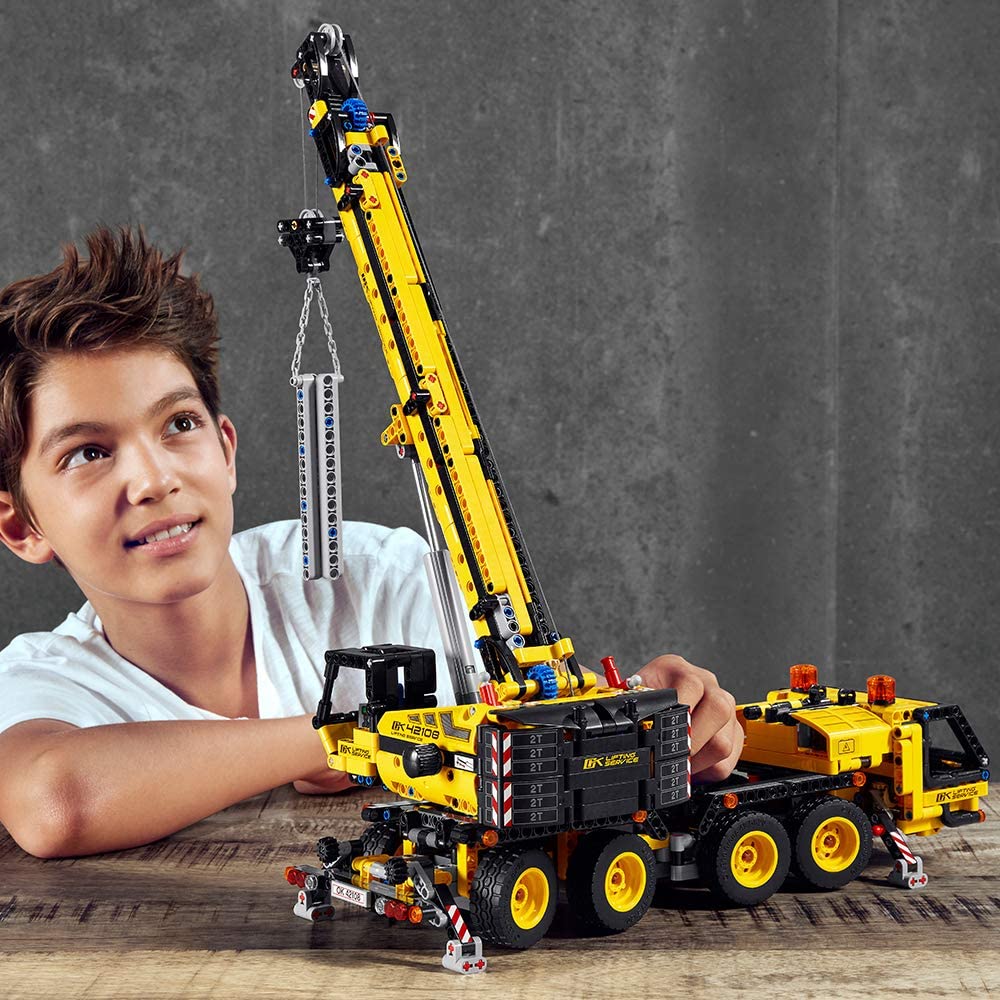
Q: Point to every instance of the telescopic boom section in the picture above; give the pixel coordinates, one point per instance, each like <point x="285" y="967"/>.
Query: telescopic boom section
<point x="435" y="420"/>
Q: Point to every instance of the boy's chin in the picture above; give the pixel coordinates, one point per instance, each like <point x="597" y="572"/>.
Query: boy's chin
<point x="174" y="596"/>
<point x="189" y="584"/>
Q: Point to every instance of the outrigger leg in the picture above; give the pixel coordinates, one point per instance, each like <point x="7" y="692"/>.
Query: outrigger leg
<point x="908" y="870"/>
<point x="464" y="950"/>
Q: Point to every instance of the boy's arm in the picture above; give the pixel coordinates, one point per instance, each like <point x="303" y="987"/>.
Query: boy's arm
<point x="66" y="791"/>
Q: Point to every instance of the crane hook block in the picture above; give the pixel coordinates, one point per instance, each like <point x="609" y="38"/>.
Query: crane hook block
<point x="311" y="241"/>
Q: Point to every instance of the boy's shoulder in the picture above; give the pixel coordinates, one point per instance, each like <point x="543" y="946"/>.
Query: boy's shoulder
<point x="267" y="551"/>
<point x="79" y="629"/>
<point x="69" y="673"/>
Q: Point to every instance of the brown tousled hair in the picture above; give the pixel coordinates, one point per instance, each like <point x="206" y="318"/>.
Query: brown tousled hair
<point x="125" y="295"/>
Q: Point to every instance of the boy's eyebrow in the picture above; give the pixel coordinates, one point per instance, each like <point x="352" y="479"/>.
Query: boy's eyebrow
<point x="171" y="398"/>
<point x="59" y="434"/>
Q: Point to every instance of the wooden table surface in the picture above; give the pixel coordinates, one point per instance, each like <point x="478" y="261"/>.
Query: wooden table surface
<point x="207" y="913"/>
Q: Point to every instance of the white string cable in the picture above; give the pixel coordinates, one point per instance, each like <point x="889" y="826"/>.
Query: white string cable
<point x="302" y="131"/>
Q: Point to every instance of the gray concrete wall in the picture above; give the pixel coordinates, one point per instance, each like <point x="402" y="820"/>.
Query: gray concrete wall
<point x="722" y="276"/>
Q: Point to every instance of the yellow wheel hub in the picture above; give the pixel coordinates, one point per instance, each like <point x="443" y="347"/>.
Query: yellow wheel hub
<point x="754" y="859"/>
<point x="835" y="844"/>
<point x="625" y="882"/>
<point x="530" y="898"/>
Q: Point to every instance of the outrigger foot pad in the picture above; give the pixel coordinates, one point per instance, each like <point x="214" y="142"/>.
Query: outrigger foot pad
<point x="908" y="876"/>
<point x="465" y="957"/>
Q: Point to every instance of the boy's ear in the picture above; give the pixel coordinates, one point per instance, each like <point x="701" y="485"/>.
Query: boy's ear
<point x="22" y="539"/>
<point x="227" y="435"/>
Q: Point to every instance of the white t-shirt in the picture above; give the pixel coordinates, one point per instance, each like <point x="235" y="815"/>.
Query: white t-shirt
<point x="383" y="596"/>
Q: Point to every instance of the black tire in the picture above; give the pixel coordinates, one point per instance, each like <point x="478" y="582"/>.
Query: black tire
<point x="831" y="842"/>
<point x="509" y="880"/>
<point x="609" y="880"/>
<point x="327" y="850"/>
<point x="746" y="860"/>
<point x="380" y="838"/>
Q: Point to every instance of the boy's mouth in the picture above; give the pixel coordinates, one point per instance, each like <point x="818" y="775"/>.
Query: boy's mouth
<point x="163" y="534"/>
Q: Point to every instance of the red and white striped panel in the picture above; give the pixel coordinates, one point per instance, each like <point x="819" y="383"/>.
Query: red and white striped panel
<point x="902" y="846"/>
<point x="495" y="750"/>
<point x="508" y="788"/>
<point x="501" y="744"/>
<point x="494" y="785"/>
<point x="502" y="754"/>
<point x="506" y="816"/>
<point x="458" y="922"/>
<point x="689" y="756"/>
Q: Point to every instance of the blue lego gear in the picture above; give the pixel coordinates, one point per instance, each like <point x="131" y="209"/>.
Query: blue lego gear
<point x="545" y="676"/>
<point x="357" y="111"/>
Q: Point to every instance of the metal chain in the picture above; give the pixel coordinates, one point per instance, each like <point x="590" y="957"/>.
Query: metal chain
<point x="324" y="313"/>
<point x="313" y="287"/>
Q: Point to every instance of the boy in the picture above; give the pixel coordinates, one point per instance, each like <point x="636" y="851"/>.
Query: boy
<point x="195" y="665"/>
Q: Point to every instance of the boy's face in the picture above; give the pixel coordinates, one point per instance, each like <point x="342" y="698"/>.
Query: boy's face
<point x="121" y="449"/>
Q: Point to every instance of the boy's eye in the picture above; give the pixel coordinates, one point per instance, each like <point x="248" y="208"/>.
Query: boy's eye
<point x="82" y="456"/>
<point x="183" y="423"/>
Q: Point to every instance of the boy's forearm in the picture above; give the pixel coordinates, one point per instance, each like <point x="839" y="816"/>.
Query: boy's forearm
<point x="117" y="786"/>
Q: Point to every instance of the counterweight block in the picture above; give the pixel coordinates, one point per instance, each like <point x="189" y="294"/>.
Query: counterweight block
<point x="318" y="424"/>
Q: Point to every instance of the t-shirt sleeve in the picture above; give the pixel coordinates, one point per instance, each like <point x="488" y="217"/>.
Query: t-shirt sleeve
<point x="38" y="690"/>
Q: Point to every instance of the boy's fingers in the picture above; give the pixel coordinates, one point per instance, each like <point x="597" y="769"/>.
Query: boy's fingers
<point x="334" y="781"/>
<point x="671" y="671"/>
<point x="712" y="717"/>
<point x="719" y="755"/>
<point x="713" y="710"/>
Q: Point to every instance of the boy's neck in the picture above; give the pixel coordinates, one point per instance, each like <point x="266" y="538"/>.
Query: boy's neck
<point x="201" y="648"/>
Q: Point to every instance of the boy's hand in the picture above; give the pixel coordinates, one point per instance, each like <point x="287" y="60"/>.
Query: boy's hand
<point x="323" y="782"/>
<point x="716" y="735"/>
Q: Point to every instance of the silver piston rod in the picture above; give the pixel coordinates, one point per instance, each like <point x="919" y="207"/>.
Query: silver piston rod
<point x="448" y="604"/>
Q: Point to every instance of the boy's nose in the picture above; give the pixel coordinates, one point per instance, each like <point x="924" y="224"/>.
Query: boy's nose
<point x="152" y="476"/>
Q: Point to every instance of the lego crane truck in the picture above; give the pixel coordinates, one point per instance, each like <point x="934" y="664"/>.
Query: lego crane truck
<point x="543" y="773"/>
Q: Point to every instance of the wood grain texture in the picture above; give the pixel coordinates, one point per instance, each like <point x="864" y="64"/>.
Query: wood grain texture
<point x="207" y="913"/>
